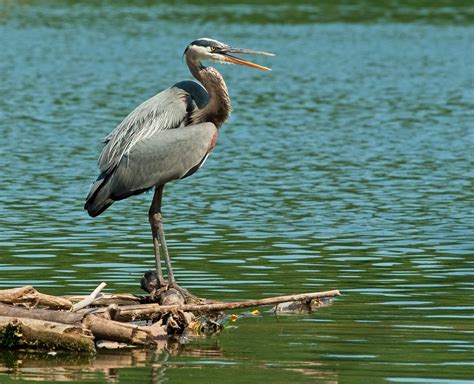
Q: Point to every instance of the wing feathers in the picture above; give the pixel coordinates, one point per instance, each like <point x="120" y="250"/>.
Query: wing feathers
<point x="166" y="110"/>
<point x="146" y="150"/>
<point x="166" y="156"/>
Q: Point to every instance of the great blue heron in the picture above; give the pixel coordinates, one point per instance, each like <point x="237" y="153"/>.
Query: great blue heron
<point x="168" y="137"/>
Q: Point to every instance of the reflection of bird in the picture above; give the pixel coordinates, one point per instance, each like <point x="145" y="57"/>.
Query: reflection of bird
<point x="168" y="137"/>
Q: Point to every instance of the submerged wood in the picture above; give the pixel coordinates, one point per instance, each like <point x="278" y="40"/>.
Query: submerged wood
<point x="31" y="296"/>
<point x="303" y="306"/>
<point x="17" y="332"/>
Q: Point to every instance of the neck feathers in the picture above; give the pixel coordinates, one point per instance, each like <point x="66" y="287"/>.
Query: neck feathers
<point x="218" y="108"/>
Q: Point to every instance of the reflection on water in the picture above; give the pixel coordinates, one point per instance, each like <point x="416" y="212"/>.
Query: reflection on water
<point x="349" y="167"/>
<point x="104" y="366"/>
<point x="150" y="365"/>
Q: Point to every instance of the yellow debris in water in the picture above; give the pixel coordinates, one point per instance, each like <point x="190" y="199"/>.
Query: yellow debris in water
<point x="255" y="312"/>
<point x="233" y="317"/>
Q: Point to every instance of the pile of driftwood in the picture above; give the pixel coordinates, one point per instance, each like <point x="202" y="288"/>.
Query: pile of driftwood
<point x="33" y="320"/>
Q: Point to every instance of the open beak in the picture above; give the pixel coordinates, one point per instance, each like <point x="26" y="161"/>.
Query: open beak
<point x="236" y="60"/>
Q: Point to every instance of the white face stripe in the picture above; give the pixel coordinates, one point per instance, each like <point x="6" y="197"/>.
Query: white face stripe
<point x="204" y="53"/>
<point x="201" y="53"/>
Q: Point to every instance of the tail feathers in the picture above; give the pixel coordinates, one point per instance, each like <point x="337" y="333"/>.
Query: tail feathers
<point x="98" y="199"/>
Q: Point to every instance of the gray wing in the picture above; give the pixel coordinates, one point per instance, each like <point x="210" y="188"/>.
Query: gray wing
<point x="166" y="110"/>
<point x="146" y="150"/>
<point x="165" y="156"/>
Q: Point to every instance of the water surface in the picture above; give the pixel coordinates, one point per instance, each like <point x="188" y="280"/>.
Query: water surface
<point x="350" y="167"/>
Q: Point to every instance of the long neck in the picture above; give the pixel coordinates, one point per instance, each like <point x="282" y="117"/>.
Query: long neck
<point x="218" y="108"/>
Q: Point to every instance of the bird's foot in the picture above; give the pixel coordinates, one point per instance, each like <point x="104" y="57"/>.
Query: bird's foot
<point x="165" y="293"/>
<point x="187" y="296"/>
<point x="154" y="285"/>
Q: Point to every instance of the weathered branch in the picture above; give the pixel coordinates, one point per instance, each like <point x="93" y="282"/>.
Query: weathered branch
<point x="89" y="299"/>
<point x="30" y="295"/>
<point x="41" y="314"/>
<point x="144" y="311"/>
<point x="106" y="299"/>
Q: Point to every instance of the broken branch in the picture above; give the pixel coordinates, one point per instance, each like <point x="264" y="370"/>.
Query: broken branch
<point x="89" y="299"/>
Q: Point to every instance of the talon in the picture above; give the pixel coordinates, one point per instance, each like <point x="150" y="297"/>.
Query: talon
<point x="163" y="288"/>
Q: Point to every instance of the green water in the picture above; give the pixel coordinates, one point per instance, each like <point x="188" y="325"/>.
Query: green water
<point x="350" y="167"/>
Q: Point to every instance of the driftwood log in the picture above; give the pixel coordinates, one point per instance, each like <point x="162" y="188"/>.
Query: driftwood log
<point x="30" y="319"/>
<point x="101" y="328"/>
<point x="24" y="333"/>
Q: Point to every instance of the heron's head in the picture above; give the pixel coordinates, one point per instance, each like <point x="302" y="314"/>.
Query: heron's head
<point x="213" y="50"/>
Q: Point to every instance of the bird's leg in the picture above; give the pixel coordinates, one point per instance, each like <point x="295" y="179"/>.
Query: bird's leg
<point x="164" y="248"/>
<point x="171" y="280"/>
<point x="154" y="217"/>
<point x="156" y="221"/>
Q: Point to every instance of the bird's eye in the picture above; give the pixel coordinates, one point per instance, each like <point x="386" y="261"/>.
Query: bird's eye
<point x="213" y="49"/>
